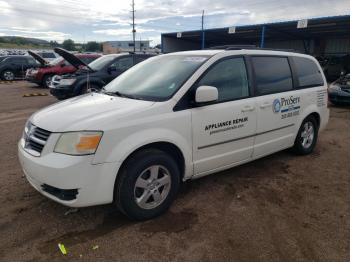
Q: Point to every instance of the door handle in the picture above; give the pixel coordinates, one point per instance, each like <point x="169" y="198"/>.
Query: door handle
<point x="248" y="109"/>
<point x="265" y="105"/>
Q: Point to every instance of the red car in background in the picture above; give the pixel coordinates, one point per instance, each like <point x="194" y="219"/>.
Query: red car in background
<point x="59" y="66"/>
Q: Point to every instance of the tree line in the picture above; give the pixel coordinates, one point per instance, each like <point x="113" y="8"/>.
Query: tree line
<point x="68" y="44"/>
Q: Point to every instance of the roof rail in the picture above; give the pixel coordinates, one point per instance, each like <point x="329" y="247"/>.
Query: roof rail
<point x="233" y="47"/>
<point x="143" y="52"/>
<point x="251" y="47"/>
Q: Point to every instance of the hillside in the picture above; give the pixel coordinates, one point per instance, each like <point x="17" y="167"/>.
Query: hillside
<point x="22" y="42"/>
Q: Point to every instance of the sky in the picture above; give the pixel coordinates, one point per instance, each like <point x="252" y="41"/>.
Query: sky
<point x="103" y="20"/>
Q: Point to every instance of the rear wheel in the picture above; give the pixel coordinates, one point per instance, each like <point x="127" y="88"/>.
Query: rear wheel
<point x="147" y="185"/>
<point x="8" y="75"/>
<point x="306" y="139"/>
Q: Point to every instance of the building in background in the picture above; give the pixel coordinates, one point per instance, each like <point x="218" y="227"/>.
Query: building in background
<point x="328" y="36"/>
<point x="113" y="47"/>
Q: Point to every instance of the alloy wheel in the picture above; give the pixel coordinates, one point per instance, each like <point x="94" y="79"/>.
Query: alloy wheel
<point x="8" y="75"/>
<point x="307" y="135"/>
<point x="152" y="187"/>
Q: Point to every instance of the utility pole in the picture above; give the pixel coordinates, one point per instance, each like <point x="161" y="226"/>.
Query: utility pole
<point x="203" y="33"/>
<point x="133" y="23"/>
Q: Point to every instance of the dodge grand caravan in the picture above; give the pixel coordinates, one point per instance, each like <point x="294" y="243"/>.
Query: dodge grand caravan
<point x="172" y="118"/>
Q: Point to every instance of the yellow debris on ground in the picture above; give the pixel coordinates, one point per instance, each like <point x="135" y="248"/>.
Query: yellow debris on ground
<point x="35" y="94"/>
<point x="62" y="248"/>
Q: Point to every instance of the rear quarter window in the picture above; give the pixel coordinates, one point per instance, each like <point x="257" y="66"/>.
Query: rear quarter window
<point x="307" y="72"/>
<point x="272" y="74"/>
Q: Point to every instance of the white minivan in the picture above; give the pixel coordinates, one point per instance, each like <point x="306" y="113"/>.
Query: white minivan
<point x="172" y="118"/>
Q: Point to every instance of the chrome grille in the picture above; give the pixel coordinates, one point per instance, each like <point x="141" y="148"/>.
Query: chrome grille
<point x="35" y="139"/>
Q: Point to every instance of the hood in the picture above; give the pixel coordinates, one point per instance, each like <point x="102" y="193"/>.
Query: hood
<point x="38" y="58"/>
<point x="85" y="112"/>
<point x="344" y="81"/>
<point x="72" y="59"/>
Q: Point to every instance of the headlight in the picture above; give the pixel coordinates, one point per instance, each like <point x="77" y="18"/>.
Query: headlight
<point x="27" y="127"/>
<point x="334" y="87"/>
<point x="78" y="143"/>
<point x="34" y="71"/>
<point x="67" y="81"/>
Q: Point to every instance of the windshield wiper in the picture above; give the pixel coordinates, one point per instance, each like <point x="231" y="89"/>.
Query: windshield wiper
<point x="117" y="93"/>
<point x="124" y="95"/>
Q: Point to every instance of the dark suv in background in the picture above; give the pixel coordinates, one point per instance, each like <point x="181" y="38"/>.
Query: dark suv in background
<point x="13" y="67"/>
<point x="93" y="76"/>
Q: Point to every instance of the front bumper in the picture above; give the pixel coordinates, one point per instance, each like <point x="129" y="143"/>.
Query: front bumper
<point x="32" y="79"/>
<point x="70" y="180"/>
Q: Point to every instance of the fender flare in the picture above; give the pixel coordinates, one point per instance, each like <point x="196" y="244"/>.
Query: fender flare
<point x="311" y="109"/>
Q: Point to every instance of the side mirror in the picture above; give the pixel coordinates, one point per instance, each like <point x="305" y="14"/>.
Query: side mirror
<point x="206" y="94"/>
<point x="63" y="64"/>
<point x="112" y="68"/>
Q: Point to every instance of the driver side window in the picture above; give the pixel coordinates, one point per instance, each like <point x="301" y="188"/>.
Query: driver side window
<point x="229" y="77"/>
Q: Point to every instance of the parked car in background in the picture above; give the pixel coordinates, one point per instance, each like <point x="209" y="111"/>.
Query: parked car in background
<point x="13" y="67"/>
<point x="339" y="91"/>
<point x="93" y="76"/>
<point x="43" y="74"/>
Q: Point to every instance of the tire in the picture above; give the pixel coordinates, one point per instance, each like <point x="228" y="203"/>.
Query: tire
<point x="8" y="75"/>
<point x="136" y="194"/>
<point x="46" y="80"/>
<point x="306" y="139"/>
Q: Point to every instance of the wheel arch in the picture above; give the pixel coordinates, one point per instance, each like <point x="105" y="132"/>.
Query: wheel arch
<point x="317" y="117"/>
<point x="167" y="147"/>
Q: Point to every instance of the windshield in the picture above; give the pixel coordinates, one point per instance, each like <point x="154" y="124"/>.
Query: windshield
<point x="157" y="78"/>
<point x="56" y="61"/>
<point x="101" y="62"/>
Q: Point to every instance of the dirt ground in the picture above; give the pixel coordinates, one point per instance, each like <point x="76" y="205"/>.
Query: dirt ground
<point x="279" y="208"/>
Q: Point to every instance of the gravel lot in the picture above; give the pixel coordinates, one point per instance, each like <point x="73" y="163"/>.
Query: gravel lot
<point x="279" y="208"/>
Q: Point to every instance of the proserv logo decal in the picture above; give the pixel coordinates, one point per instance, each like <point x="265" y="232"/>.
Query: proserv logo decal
<point x="276" y="106"/>
<point x="285" y="104"/>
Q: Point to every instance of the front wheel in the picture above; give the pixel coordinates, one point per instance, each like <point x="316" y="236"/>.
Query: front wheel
<point x="306" y="139"/>
<point x="46" y="81"/>
<point x="8" y="75"/>
<point x="147" y="185"/>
